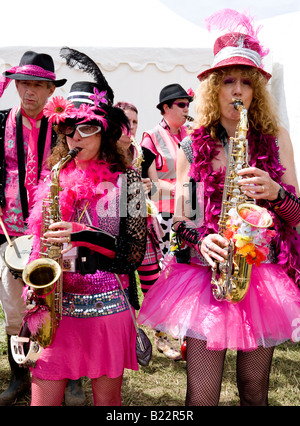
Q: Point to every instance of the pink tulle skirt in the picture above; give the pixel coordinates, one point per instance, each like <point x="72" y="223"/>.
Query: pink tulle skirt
<point x="181" y="303"/>
<point x="90" y="347"/>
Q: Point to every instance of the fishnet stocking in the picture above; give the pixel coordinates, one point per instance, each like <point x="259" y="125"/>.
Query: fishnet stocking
<point x="204" y="373"/>
<point x="205" y="370"/>
<point x="253" y="371"/>
<point x="47" y="392"/>
<point x="106" y="391"/>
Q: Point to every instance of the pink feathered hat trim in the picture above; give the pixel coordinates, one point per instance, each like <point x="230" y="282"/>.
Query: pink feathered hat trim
<point x="235" y="48"/>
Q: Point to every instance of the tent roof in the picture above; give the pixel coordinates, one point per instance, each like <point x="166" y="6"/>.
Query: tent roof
<point x="111" y="32"/>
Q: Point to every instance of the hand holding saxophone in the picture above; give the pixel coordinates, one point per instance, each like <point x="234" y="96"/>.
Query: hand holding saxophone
<point x="60" y="232"/>
<point x="256" y="183"/>
<point x="212" y="247"/>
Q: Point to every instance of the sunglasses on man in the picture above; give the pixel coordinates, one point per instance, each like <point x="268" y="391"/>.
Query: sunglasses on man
<point x="182" y="104"/>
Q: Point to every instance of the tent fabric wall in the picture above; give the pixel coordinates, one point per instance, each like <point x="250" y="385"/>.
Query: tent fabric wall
<point x="140" y="86"/>
<point x="281" y="33"/>
<point x="140" y="46"/>
<point x="139" y="57"/>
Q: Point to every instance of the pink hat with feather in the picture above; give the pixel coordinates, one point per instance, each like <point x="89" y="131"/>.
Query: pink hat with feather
<point x="240" y="46"/>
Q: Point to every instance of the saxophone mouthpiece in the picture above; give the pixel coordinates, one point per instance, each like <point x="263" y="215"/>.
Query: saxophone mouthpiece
<point x="189" y="118"/>
<point x="73" y="152"/>
<point x="237" y="103"/>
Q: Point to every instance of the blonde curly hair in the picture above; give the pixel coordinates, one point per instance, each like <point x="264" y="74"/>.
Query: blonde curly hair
<point x="262" y="114"/>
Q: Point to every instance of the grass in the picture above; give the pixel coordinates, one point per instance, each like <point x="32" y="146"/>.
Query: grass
<point x="163" y="382"/>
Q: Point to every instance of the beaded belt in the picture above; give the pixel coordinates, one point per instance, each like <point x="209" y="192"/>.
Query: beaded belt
<point x="94" y="305"/>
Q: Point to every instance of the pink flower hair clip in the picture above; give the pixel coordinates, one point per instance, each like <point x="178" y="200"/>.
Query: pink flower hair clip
<point x="190" y="92"/>
<point x="58" y="109"/>
<point x="99" y="97"/>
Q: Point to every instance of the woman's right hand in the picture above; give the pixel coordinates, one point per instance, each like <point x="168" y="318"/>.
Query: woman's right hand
<point x="213" y="248"/>
<point x="60" y="233"/>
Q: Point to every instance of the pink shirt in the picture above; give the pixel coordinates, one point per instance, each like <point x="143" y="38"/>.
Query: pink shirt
<point x="165" y="158"/>
<point x="12" y="212"/>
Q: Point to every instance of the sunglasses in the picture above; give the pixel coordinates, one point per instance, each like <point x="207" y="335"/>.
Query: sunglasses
<point x="85" y="130"/>
<point x="182" y="104"/>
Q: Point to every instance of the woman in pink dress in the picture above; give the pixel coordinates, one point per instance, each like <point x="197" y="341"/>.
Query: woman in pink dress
<point x="182" y="301"/>
<point x="103" y="215"/>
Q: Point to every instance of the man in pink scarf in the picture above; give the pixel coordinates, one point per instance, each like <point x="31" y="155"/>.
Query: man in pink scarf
<point x="25" y="143"/>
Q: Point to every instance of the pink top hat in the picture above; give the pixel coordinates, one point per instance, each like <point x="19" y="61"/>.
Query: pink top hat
<point x="235" y="48"/>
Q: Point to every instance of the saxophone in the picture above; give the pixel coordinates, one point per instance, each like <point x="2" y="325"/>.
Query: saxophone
<point x="137" y="163"/>
<point x="231" y="278"/>
<point x="43" y="276"/>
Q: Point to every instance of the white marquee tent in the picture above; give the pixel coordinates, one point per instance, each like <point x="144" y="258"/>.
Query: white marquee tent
<point x="282" y="34"/>
<point x="141" y="46"/>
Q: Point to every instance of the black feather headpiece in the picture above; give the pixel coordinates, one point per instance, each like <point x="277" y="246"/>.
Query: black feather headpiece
<point x="74" y="58"/>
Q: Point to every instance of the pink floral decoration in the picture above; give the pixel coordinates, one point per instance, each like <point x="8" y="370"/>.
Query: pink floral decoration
<point x="99" y="97"/>
<point x="58" y="109"/>
<point x="190" y="92"/>
<point x="86" y="112"/>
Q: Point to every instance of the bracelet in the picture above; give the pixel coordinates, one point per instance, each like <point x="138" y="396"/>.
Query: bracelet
<point x="289" y="209"/>
<point x="280" y="196"/>
<point x="188" y="234"/>
<point x="199" y="244"/>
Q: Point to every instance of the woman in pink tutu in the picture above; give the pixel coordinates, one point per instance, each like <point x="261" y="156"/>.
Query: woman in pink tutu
<point x="183" y="301"/>
<point x="104" y="223"/>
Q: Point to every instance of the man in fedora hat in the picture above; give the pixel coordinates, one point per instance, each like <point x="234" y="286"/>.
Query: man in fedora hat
<point x="25" y="143"/>
<point x="161" y="145"/>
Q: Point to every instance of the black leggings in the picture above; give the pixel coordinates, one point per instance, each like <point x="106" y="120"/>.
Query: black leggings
<point x="205" y="370"/>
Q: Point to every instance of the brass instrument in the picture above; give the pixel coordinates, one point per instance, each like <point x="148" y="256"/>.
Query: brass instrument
<point x="189" y="118"/>
<point x="44" y="275"/>
<point x="231" y="278"/>
<point x="137" y="163"/>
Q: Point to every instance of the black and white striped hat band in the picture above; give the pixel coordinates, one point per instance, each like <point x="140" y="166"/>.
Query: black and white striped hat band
<point x="83" y="97"/>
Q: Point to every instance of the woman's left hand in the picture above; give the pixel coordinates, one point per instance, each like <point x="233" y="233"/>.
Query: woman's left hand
<point x="257" y="183"/>
<point x="60" y="233"/>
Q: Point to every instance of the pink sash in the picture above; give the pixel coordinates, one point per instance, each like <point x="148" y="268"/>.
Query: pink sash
<point x="12" y="212"/>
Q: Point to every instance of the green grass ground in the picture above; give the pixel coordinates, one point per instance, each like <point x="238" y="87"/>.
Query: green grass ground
<point x="163" y="382"/>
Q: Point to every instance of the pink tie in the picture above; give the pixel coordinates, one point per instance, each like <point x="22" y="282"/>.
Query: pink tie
<point x="32" y="154"/>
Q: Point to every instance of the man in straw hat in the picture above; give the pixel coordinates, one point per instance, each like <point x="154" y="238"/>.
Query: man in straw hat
<point x="25" y="143"/>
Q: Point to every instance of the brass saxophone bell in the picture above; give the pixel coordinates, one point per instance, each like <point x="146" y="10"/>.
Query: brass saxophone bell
<point x="44" y="275"/>
<point x="266" y="218"/>
<point x="41" y="274"/>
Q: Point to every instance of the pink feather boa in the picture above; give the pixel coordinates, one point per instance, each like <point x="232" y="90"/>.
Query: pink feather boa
<point x="77" y="185"/>
<point x="263" y="154"/>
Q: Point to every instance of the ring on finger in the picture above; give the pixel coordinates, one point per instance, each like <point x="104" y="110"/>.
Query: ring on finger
<point x="207" y="248"/>
<point x="262" y="188"/>
<point x="68" y="240"/>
